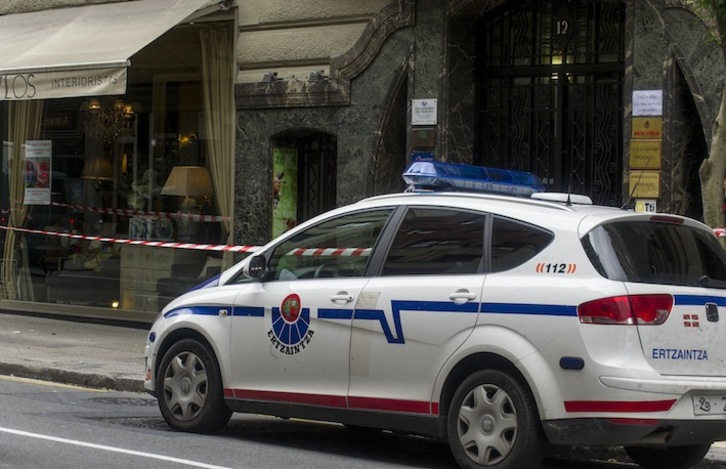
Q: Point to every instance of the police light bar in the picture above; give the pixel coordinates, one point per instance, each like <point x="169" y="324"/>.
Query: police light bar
<point x="438" y="176"/>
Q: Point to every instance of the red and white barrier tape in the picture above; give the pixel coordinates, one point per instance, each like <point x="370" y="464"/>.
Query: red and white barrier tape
<point x="138" y="242"/>
<point x="134" y="213"/>
<point x="720" y="232"/>
<point x="336" y="252"/>
<point x="343" y="252"/>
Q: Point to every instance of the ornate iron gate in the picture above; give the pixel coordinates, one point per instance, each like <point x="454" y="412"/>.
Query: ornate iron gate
<point x="550" y="80"/>
<point x="317" y="174"/>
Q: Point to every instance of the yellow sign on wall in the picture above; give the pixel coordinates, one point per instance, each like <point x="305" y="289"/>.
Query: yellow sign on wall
<point x="648" y="127"/>
<point x="645" y="154"/>
<point x="644" y="184"/>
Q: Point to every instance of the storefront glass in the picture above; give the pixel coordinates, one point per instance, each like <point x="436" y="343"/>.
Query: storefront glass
<point x="84" y="176"/>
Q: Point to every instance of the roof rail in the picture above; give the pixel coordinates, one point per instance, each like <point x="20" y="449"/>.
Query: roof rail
<point x="563" y="197"/>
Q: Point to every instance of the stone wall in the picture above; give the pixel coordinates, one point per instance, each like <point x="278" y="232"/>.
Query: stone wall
<point x="355" y="126"/>
<point x="351" y="104"/>
<point x="673" y="51"/>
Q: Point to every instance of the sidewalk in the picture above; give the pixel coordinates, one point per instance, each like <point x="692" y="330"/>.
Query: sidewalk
<point x="65" y="351"/>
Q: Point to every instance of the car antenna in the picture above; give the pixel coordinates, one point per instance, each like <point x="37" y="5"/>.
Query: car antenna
<point x="569" y="191"/>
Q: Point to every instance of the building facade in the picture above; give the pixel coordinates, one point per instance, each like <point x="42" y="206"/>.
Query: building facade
<point x="226" y="123"/>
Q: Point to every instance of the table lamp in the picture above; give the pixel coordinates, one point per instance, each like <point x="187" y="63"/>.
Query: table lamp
<point x="189" y="182"/>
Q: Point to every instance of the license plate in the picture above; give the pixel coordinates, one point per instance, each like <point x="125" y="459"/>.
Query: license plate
<point x="712" y="404"/>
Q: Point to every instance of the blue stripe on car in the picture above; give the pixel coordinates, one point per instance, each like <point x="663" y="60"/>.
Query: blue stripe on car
<point x="698" y="300"/>
<point x="523" y="308"/>
<point x="197" y="310"/>
<point x="394" y="332"/>
<point x="251" y="311"/>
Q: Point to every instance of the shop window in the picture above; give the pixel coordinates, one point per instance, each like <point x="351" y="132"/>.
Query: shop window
<point x="83" y="175"/>
<point x="96" y="168"/>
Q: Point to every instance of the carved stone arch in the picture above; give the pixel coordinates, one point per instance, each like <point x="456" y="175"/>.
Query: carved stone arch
<point x="705" y="112"/>
<point x="345" y="67"/>
<point x="390" y="157"/>
<point x="685" y="147"/>
<point x="471" y="8"/>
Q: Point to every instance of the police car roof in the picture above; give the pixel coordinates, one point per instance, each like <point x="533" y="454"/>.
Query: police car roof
<point x="492" y="199"/>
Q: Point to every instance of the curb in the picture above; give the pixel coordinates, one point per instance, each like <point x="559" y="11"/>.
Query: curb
<point x="91" y="380"/>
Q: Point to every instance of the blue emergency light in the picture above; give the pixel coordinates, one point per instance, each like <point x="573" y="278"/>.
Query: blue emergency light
<point x="438" y="176"/>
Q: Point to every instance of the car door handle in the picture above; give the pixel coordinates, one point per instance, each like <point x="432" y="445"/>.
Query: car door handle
<point x="460" y="297"/>
<point x="341" y="298"/>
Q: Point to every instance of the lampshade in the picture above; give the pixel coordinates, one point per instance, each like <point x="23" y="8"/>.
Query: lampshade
<point x="97" y="167"/>
<point x="188" y="181"/>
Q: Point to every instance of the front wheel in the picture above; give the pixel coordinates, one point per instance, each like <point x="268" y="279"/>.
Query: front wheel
<point x="189" y="388"/>
<point x="493" y="423"/>
<point x="672" y="457"/>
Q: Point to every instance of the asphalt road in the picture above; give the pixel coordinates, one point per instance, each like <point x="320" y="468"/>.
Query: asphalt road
<point x="47" y="425"/>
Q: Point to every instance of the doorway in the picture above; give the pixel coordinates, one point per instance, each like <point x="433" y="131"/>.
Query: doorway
<point x="304" y="177"/>
<point x="550" y="93"/>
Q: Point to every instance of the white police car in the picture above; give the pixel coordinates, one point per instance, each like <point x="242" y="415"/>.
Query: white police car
<point x="502" y="324"/>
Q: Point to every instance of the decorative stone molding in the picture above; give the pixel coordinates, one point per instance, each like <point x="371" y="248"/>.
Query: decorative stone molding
<point x="334" y="89"/>
<point x="471" y="8"/>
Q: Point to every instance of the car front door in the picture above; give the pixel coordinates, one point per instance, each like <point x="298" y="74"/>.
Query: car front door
<point x="291" y="331"/>
<point x="421" y="307"/>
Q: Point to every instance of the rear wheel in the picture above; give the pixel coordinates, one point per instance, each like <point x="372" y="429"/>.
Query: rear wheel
<point x="673" y="457"/>
<point x="190" y="389"/>
<point x="493" y="423"/>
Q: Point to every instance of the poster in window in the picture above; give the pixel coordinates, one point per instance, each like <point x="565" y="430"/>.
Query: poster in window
<point x="284" y="190"/>
<point x="38" y="167"/>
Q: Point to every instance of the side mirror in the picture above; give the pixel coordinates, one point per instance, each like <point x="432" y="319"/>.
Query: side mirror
<point x="256" y="268"/>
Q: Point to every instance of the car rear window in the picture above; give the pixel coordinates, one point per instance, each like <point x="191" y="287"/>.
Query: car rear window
<point x="514" y="243"/>
<point x="656" y="252"/>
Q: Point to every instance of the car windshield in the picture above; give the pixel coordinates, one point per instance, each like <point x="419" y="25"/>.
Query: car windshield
<point x="656" y="252"/>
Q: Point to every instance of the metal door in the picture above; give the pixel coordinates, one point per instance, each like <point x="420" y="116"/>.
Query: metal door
<point x="550" y="84"/>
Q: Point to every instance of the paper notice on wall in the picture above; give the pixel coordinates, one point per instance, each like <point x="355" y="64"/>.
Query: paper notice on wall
<point x="38" y="167"/>
<point x="648" y="103"/>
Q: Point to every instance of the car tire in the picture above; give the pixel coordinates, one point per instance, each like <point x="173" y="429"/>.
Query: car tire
<point x="673" y="457"/>
<point x="493" y="423"/>
<point x="190" y="390"/>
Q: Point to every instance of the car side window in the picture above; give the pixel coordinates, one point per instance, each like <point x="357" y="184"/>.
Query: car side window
<point x="339" y="247"/>
<point x="514" y="243"/>
<point x="437" y="241"/>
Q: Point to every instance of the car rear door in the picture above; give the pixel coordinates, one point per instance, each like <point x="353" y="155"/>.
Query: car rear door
<point x="421" y="307"/>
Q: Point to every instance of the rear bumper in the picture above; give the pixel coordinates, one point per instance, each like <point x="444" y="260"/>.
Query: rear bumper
<point x="671" y="385"/>
<point x="648" y="411"/>
<point x="635" y="431"/>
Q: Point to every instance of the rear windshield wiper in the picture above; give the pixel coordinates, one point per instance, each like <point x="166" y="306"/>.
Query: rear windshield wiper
<point x="709" y="282"/>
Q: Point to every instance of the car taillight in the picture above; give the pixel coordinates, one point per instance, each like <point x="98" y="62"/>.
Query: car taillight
<point x="627" y="309"/>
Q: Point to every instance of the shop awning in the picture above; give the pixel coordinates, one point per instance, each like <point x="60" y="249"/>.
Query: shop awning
<point x="81" y="51"/>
